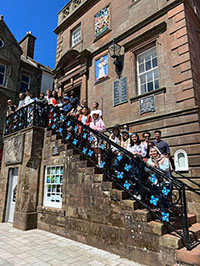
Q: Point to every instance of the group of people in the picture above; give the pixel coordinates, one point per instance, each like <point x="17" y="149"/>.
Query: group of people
<point x="156" y="153"/>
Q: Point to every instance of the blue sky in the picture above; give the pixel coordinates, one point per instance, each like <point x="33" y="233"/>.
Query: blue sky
<point x="38" y="16"/>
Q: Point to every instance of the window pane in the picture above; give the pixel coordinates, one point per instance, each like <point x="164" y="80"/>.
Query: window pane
<point x="141" y="58"/>
<point x="1" y="79"/>
<point x="141" y="68"/>
<point x="156" y="84"/>
<point x="76" y="36"/>
<point x="154" y="61"/>
<point x="25" y="78"/>
<point x="143" y="88"/>
<point x="148" y="65"/>
<point x="149" y="76"/>
<point x="150" y="86"/>
<point x="142" y="79"/>
<point x="2" y="69"/>
<point x="155" y="74"/>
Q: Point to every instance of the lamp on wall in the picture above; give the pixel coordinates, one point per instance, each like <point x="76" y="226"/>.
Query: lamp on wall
<point x="115" y="52"/>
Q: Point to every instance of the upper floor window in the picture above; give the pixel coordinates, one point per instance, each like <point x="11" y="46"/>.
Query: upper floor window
<point x="2" y="75"/>
<point x="25" y="83"/>
<point x="76" y="36"/>
<point x="147" y="69"/>
<point x="53" y="186"/>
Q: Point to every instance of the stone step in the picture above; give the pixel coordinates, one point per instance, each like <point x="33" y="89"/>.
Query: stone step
<point x="107" y="186"/>
<point x="131" y="204"/>
<point x="157" y="228"/>
<point x="142" y="215"/>
<point x="118" y="195"/>
<point x="87" y="170"/>
<point x="171" y="241"/>
<point x="191" y="257"/>
<point x="98" y="178"/>
<point x="195" y="230"/>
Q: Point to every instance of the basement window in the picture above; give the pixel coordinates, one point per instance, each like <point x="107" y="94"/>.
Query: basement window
<point x="53" y="186"/>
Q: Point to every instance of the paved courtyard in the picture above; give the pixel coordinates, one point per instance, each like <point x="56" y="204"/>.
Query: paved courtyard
<point x="40" y="248"/>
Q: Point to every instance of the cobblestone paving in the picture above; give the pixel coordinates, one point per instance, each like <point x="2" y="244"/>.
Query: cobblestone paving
<point x="40" y="248"/>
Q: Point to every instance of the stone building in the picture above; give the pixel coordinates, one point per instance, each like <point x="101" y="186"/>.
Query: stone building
<point x="18" y="70"/>
<point x="159" y="85"/>
<point x="48" y="184"/>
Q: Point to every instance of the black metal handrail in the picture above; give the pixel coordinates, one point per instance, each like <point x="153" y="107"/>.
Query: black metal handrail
<point x="159" y="193"/>
<point x="34" y="114"/>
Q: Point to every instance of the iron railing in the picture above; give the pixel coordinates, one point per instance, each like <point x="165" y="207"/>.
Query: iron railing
<point x="163" y="195"/>
<point x="34" y="114"/>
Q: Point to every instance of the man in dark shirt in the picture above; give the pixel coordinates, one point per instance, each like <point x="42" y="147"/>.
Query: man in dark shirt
<point x="67" y="105"/>
<point x="161" y="144"/>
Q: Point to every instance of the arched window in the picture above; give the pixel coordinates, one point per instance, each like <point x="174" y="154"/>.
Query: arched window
<point x="181" y="160"/>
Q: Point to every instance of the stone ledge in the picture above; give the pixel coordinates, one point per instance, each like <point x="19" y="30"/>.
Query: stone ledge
<point x="50" y="210"/>
<point x="155" y="92"/>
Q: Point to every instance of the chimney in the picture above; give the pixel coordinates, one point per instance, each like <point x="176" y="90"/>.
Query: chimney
<point x="1" y="17"/>
<point x="28" y="44"/>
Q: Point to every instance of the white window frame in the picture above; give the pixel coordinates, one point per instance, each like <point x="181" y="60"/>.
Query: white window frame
<point x="146" y="72"/>
<point x="46" y="202"/>
<point x="2" y="45"/>
<point x="176" y="160"/>
<point x="4" y="75"/>
<point x="27" y="83"/>
<point x="74" y="40"/>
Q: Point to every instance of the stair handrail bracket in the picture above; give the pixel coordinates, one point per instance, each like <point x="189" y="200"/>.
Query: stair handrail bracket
<point x="153" y="189"/>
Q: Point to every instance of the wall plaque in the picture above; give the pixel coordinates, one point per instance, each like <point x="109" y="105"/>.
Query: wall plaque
<point x="147" y="105"/>
<point x="55" y="151"/>
<point x="14" y="149"/>
<point x="120" y="89"/>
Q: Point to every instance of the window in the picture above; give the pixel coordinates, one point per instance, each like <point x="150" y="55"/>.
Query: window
<point x="147" y="67"/>
<point x="76" y="36"/>
<point x="2" y="75"/>
<point x="1" y="43"/>
<point x="53" y="186"/>
<point x="25" y="83"/>
<point x="181" y="160"/>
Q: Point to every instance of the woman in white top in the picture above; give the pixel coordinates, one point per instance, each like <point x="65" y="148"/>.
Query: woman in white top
<point x="115" y="137"/>
<point x="135" y="146"/>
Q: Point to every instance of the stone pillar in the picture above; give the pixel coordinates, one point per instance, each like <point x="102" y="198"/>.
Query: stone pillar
<point x="84" y="87"/>
<point x="25" y="216"/>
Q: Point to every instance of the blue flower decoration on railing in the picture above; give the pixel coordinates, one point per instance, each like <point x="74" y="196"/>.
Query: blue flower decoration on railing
<point x="49" y="121"/>
<point x="84" y="150"/>
<point x="15" y="117"/>
<point x="153" y="179"/>
<point x="75" y="141"/>
<point x="68" y="123"/>
<point x="54" y="114"/>
<point x="90" y="153"/>
<point x="20" y="114"/>
<point x="14" y="126"/>
<point x="127" y="185"/>
<point x="68" y="136"/>
<point x="20" y="124"/>
<point x="61" y="117"/>
<point x="7" y="122"/>
<point x="102" y="146"/>
<point x="75" y="128"/>
<point x="55" y="119"/>
<point x="165" y="216"/>
<point x="119" y="157"/>
<point x="154" y="200"/>
<point x="60" y="130"/>
<point x="52" y="110"/>
<point x="165" y="191"/>
<point x="102" y="164"/>
<point x="85" y="135"/>
<point x="120" y="175"/>
<point x="90" y="138"/>
<point x="127" y="167"/>
<point x="53" y="126"/>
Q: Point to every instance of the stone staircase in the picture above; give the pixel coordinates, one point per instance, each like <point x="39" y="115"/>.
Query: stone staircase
<point x="167" y="245"/>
